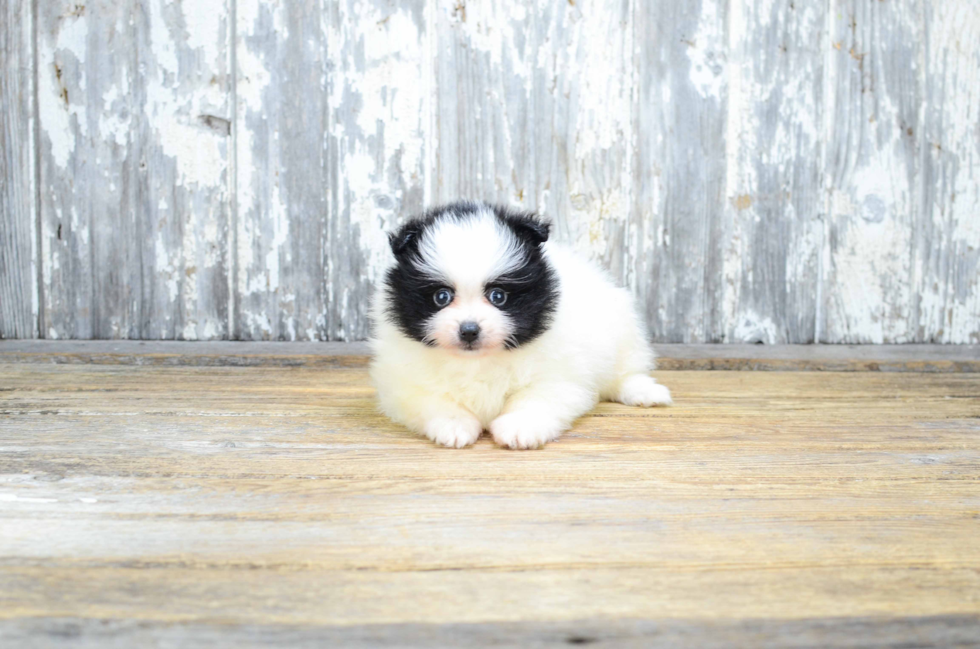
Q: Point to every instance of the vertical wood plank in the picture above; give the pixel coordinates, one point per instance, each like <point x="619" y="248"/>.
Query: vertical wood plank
<point x="946" y="240"/>
<point x="775" y="203"/>
<point x="283" y="66"/>
<point x="183" y="53"/>
<point x="18" y="236"/>
<point x="678" y="228"/>
<point x="873" y="167"/>
<point x="331" y="153"/>
<point x="378" y="121"/>
<point x="134" y="129"/>
<point x="89" y="158"/>
<point x="532" y="108"/>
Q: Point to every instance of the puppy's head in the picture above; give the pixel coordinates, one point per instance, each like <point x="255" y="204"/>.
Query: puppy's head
<point x="471" y="278"/>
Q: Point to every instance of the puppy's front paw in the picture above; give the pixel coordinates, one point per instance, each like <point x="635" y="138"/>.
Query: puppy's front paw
<point x="454" y="432"/>
<point x="523" y="430"/>
<point x="641" y="390"/>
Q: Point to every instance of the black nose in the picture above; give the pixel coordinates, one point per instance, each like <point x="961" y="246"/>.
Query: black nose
<point x="469" y="331"/>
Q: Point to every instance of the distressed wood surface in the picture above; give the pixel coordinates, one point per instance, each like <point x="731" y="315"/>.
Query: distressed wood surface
<point x="679" y="174"/>
<point x="91" y="273"/>
<point x="331" y="146"/>
<point x="904" y="235"/>
<point x="133" y="102"/>
<point x="282" y="193"/>
<point x="184" y="58"/>
<point x="859" y="633"/>
<point x="946" y="262"/>
<point x="18" y="235"/>
<point x="775" y="206"/>
<point x="532" y="108"/>
<point x="378" y="166"/>
<point x="213" y="501"/>
<point x="778" y="172"/>
<point x="876" y="100"/>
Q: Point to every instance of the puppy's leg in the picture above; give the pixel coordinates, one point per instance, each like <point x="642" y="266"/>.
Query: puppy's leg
<point x="630" y="382"/>
<point x="540" y="414"/>
<point x="641" y="390"/>
<point x="633" y="385"/>
<point x="441" y="420"/>
<point x="454" y="431"/>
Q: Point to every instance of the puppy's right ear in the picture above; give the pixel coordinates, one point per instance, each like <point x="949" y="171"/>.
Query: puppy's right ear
<point x="532" y="229"/>
<point x="526" y="225"/>
<point x="406" y="239"/>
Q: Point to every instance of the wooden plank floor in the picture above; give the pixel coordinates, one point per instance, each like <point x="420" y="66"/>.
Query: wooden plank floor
<point x="263" y="505"/>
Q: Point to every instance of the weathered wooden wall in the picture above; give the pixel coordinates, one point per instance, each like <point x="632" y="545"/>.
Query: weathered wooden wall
<point x="775" y="170"/>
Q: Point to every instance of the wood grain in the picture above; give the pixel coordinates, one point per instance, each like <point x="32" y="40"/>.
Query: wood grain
<point x="677" y="229"/>
<point x="774" y="203"/>
<point x="946" y="242"/>
<point x="378" y="164"/>
<point x="778" y="172"/>
<point x="90" y="237"/>
<point x="282" y="191"/>
<point x="133" y="101"/>
<point x="191" y="497"/>
<point x="903" y="253"/>
<point x="877" y="631"/>
<point x="18" y="236"/>
<point x="184" y="56"/>
<point x="875" y="104"/>
<point x="331" y="156"/>
<point x="531" y="108"/>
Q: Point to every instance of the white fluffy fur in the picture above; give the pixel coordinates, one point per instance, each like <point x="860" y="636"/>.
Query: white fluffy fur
<point x="596" y="348"/>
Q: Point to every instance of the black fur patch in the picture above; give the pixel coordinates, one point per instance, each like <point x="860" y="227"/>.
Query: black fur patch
<point x="532" y="288"/>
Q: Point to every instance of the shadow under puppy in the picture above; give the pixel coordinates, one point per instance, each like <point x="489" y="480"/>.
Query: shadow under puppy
<point x="483" y="324"/>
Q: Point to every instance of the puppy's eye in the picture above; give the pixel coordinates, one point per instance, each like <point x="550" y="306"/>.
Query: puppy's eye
<point x="496" y="296"/>
<point x="443" y="297"/>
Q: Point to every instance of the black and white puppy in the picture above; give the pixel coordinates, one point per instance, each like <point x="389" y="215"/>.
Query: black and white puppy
<point x="483" y="324"/>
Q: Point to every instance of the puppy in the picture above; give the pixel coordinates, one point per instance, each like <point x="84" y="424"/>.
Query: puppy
<point x="483" y="324"/>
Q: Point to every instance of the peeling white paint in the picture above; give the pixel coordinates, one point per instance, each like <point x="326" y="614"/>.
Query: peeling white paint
<point x="161" y="42"/>
<point x="253" y="79"/>
<point x="204" y="29"/>
<point x="707" y="51"/>
<point x="166" y="267"/>
<point x="535" y="104"/>
<point x="741" y="180"/>
<point x="199" y="157"/>
<point x="115" y="120"/>
<point x="280" y="233"/>
<point x="390" y="103"/>
<point x="173" y="110"/>
<point x="755" y="328"/>
<point x="872" y="265"/>
<point x="57" y="103"/>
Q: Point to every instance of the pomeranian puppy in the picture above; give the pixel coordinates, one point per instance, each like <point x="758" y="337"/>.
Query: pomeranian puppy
<point x="482" y="324"/>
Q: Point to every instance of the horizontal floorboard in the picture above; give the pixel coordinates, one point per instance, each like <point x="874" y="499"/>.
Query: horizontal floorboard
<point x="212" y="505"/>
<point x="943" y="631"/>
